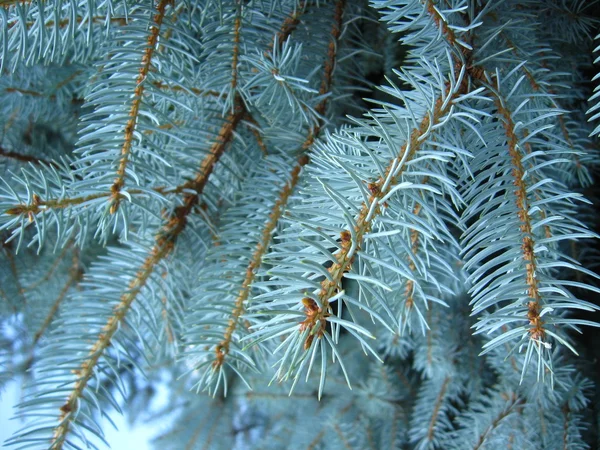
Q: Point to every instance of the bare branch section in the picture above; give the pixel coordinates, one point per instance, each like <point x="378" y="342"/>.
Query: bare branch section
<point x="135" y="105"/>
<point x="165" y="242"/>
<point x="24" y="158"/>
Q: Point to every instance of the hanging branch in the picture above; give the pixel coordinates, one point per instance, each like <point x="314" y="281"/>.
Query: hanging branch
<point x="328" y="69"/>
<point x="352" y="239"/>
<point x="436" y="409"/>
<point x="222" y="349"/>
<point x="165" y="242"/>
<point x="25" y="158"/>
<point x="75" y="274"/>
<point x="514" y="403"/>
<point x="134" y="110"/>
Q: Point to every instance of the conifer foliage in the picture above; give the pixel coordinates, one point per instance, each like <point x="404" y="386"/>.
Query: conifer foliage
<point x="326" y="224"/>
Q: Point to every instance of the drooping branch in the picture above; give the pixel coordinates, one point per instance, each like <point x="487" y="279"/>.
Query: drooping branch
<point x="222" y="349"/>
<point x="536" y="331"/>
<point x="518" y="172"/>
<point x="436" y="408"/>
<point x="371" y="209"/>
<point x="24" y="158"/>
<point x="537" y="86"/>
<point x="329" y="67"/>
<point x="287" y="27"/>
<point x="134" y="110"/>
<point x="514" y="401"/>
<point x="75" y="274"/>
<point x="165" y="242"/>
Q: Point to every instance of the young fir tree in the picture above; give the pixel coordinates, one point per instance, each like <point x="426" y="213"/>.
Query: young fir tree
<point x="194" y="190"/>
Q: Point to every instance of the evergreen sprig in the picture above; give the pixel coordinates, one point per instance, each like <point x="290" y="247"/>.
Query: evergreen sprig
<point x="199" y="192"/>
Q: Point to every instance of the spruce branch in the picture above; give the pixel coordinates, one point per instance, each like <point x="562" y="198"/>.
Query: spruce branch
<point x="435" y="404"/>
<point x="222" y="348"/>
<point x="24" y="158"/>
<point x="55" y="265"/>
<point x="435" y="108"/>
<point x="134" y="110"/>
<point x="74" y="276"/>
<point x="66" y="22"/>
<point x="256" y="234"/>
<point x="541" y="84"/>
<point x="529" y="245"/>
<point x="165" y="242"/>
<point x="52" y="31"/>
<point x="537" y="332"/>
<point x="352" y="238"/>
<point x="436" y="409"/>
